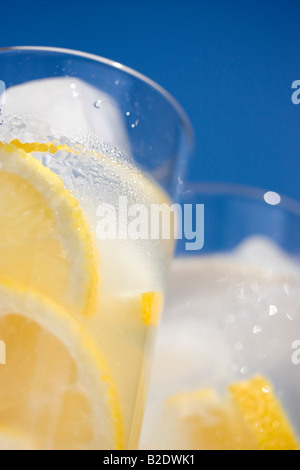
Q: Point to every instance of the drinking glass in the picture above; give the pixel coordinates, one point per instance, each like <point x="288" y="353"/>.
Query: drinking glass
<point x="226" y="366"/>
<point x="88" y="147"/>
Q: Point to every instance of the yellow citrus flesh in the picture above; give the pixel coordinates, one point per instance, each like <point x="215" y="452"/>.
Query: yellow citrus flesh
<point x="124" y="322"/>
<point x="250" y="418"/>
<point x="263" y="414"/>
<point x="204" y="422"/>
<point x="45" y="242"/>
<point x="151" y="307"/>
<point x="56" y="388"/>
<point x="50" y="147"/>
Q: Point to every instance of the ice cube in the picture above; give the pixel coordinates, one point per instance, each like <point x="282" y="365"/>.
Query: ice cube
<point x="265" y="253"/>
<point x="62" y="107"/>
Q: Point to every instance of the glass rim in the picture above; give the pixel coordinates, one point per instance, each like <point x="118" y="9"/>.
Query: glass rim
<point x="255" y="193"/>
<point x="119" y="66"/>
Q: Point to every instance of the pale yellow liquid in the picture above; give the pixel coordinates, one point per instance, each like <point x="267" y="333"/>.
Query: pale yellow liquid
<point x="127" y="269"/>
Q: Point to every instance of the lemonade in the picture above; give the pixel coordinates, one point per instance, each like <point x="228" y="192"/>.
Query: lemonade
<point x="87" y="147"/>
<point x="78" y="312"/>
<point x="71" y="300"/>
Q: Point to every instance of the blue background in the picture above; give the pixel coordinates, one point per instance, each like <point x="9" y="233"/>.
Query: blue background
<point x="230" y="64"/>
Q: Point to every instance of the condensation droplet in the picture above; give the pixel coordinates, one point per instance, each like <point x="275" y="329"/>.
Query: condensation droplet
<point x="272" y="198"/>
<point x="291" y="315"/>
<point x="273" y="310"/>
<point x="266" y="389"/>
<point x="257" y="329"/>
<point x="77" y="173"/>
<point x="97" y="104"/>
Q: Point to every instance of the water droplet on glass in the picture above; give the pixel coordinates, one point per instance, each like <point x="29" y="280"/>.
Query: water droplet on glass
<point x="257" y="329"/>
<point x="97" y="104"/>
<point x="291" y="315"/>
<point x="266" y="389"/>
<point x="273" y="310"/>
<point x="77" y="173"/>
<point x="46" y="160"/>
<point x="272" y="198"/>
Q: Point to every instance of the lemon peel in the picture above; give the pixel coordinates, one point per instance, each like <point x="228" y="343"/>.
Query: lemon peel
<point x="37" y="210"/>
<point x="66" y="388"/>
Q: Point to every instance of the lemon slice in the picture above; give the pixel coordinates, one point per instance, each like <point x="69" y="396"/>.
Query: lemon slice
<point x="45" y="242"/>
<point x="55" y="386"/>
<point x="248" y="418"/>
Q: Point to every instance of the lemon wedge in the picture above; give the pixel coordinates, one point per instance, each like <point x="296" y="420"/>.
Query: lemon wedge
<point x="249" y="417"/>
<point x="201" y="420"/>
<point x="263" y="414"/>
<point x="45" y="241"/>
<point x="56" y="388"/>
